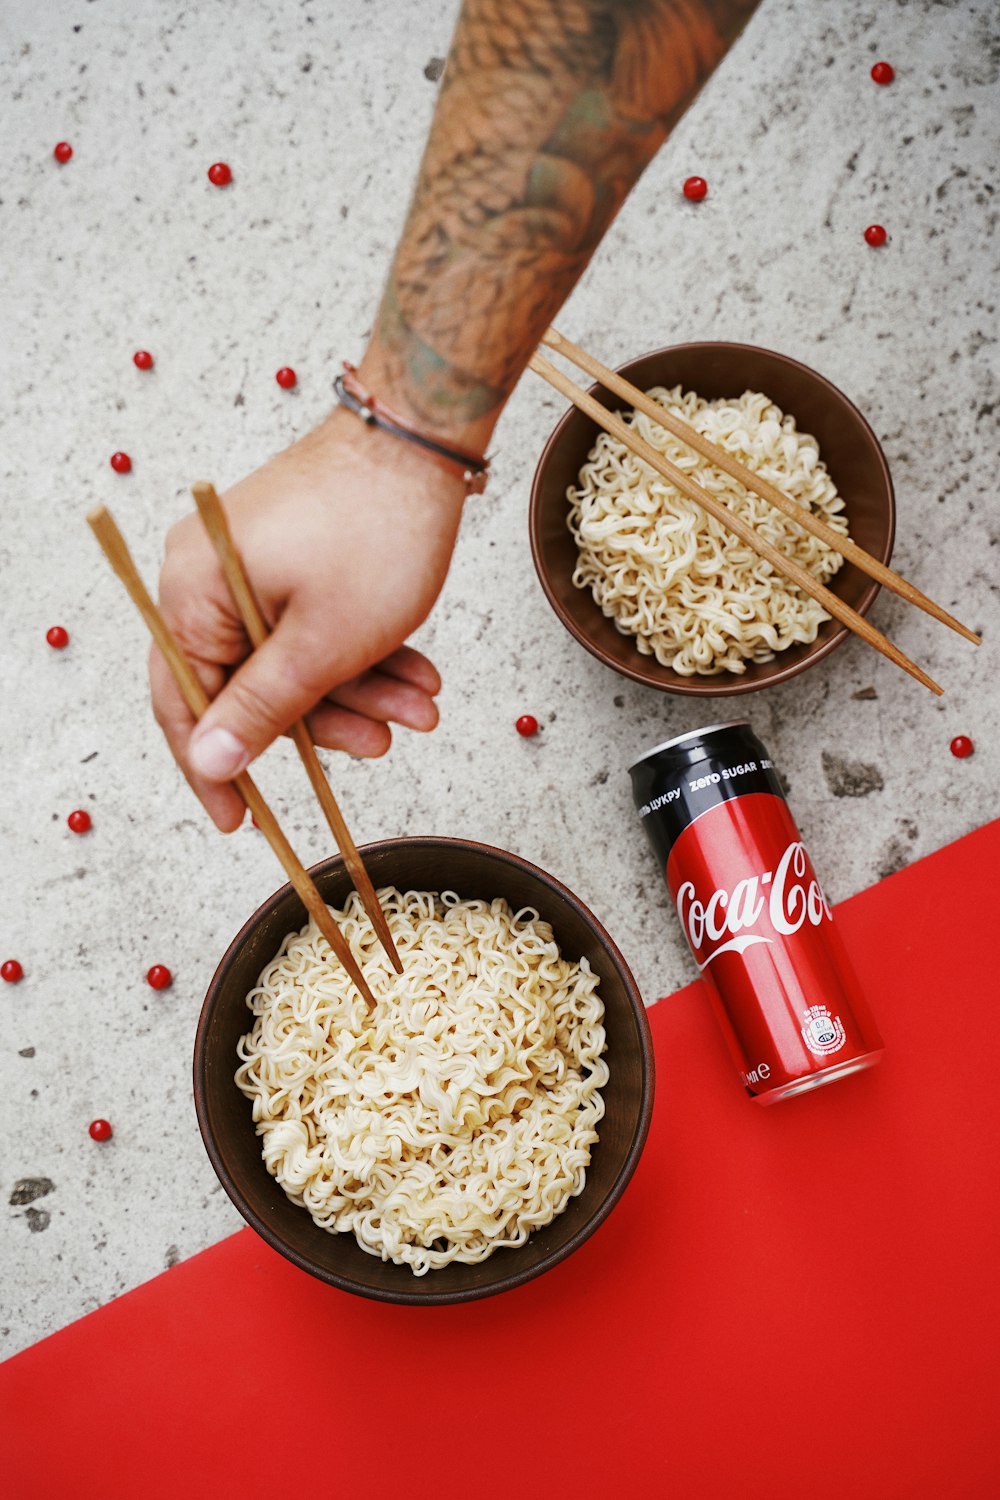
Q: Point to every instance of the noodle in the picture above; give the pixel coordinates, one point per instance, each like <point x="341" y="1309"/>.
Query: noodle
<point x="457" y="1115"/>
<point x="694" y="595"/>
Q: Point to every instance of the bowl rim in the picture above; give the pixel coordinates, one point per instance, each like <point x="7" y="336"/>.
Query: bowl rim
<point x="417" y="1295"/>
<point x="707" y="687"/>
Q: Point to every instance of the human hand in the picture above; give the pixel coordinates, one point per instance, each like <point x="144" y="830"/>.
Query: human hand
<point x="346" y="537"/>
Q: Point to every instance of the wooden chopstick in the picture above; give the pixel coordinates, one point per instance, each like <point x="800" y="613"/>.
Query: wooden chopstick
<point x="113" y="544"/>
<point x="847" y="548"/>
<point x="217" y="525"/>
<point x="793" y="570"/>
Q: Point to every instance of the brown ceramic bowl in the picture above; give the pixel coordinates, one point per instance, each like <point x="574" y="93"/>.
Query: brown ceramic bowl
<point x="224" y="1115"/>
<point x="851" y="450"/>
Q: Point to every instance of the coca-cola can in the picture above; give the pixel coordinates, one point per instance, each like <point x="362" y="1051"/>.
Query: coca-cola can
<point x="753" y="912"/>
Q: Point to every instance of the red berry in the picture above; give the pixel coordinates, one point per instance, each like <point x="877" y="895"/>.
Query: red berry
<point x="883" y="72"/>
<point x="695" y="188"/>
<point x="159" y="977"/>
<point x="63" y="151"/>
<point x="142" y="359"/>
<point x="11" y="971"/>
<point x="286" y="377"/>
<point x="219" y="174"/>
<point x="527" y="725"/>
<point x="79" y="821"/>
<point x="100" y="1130"/>
<point x="121" y="463"/>
<point x="875" y="235"/>
<point x="57" y="637"/>
<point x="962" y="746"/>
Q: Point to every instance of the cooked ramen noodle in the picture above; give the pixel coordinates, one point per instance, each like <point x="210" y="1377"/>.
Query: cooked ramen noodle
<point x="691" y="592"/>
<point x="456" y="1116"/>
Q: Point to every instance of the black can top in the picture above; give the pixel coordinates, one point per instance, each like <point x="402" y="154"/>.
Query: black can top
<point x="674" y="783"/>
<point x="689" y="747"/>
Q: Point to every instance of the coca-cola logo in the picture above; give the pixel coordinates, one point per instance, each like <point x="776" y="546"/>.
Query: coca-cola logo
<point x="790" y="896"/>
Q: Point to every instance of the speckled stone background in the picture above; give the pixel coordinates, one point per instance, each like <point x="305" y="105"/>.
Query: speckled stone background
<point x="321" y="110"/>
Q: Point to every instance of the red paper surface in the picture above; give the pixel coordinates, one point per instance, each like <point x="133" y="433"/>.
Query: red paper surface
<point x="795" y="1301"/>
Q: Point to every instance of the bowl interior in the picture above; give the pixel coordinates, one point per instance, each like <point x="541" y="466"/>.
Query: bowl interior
<point x="847" y="444"/>
<point x="473" y="871"/>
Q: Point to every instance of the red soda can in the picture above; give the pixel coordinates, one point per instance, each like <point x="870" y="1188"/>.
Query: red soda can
<point x="753" y="912"/>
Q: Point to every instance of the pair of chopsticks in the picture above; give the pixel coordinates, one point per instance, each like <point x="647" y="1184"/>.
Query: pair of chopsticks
<point x="721" y="512"/>
<point x="113" y="544"/>
<point x="215" y="522"/>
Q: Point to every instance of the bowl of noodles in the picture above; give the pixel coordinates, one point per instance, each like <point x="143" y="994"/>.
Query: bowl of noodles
<point x="661" y="592"/>
<point x="471" y="1130"/>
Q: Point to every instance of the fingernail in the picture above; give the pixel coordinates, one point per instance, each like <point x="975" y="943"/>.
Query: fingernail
<point x="424" y="718"/>
<point x="417" y="712"/>
<point x="218" y="755"/>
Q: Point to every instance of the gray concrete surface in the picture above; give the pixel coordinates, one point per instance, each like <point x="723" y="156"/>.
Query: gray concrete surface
<point x="321" y="111"/>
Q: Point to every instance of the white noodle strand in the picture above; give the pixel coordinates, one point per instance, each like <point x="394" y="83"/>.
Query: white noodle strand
<point x="691" y="593"/>
<point x="456" y="1116"/>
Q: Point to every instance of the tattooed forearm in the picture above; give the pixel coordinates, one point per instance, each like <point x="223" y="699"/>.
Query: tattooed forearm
<point x="549" y="111"/>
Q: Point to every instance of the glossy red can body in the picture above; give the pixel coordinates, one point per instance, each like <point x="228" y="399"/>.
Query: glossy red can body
<point x="754" y="913"/>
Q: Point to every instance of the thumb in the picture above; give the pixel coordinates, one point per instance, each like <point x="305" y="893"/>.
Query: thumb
<point x="277" y="684"/>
